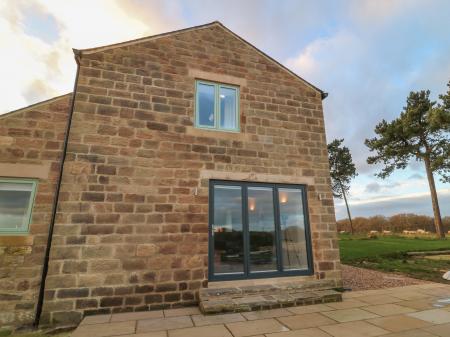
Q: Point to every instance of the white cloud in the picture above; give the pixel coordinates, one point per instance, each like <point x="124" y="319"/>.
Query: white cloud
<point x="397" y="197"/>
<point x="87" y="23"/>
<point x="33" y="69"/>
<point x="418" y="203"/>
<point x="23" y="59"/>
<point x="380" y="11"/>
<point x="368" y="64"/>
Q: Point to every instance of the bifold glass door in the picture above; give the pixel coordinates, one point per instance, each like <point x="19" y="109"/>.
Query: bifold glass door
<point x="258" y="230"/>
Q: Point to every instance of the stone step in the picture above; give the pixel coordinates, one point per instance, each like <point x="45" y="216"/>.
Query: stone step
<point x="261" y="297"/>
<point x="238" y="291"/>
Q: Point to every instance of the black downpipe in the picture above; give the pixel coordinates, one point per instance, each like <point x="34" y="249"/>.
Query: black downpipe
<point x="55" y="202"/>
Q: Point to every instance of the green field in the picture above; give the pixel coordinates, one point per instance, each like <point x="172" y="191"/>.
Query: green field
<point x="389" y="254"/>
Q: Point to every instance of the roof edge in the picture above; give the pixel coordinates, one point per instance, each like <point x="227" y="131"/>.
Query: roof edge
<point x="87" y="51"/>
<point x="79" y="52"/>
<point x="34" y="105"/>
<point x="322" y="93"/>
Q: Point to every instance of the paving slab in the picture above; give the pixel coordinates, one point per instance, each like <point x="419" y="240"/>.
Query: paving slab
<point x="181" y="312"/>
<point x="422" y="304"/>
<point x="354" y="329"/>
<point x="160" y="324"/>
<point x="348" y="315"/>
<point x="388" y="309"/>
<point x="305" y="321"/>
<point x="410" y="295"/>
<point x="379" y="299"/>
<point x="411" y="333"/>
<point x="398" y="323"/>
<point x="203" y="331"/>
<point x="105" y="329"/>
<point x="201" y="320"/>
<point x="135" y="316"/>
<point x="310" y="332"/>
<point x="250" y="328"/>
<point x="148" y="334"/>
<point x="441" y="330"/>
<point x="436" y="316"/>
<point x="252" y="315"/>
<point x="96" y="319"/>
<point x="310" y="308"/>
<point x="347" y="304"/>
<point x="443" y="291"/>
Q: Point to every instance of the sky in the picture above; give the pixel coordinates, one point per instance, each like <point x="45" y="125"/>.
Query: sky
<point x="368" y="55"/>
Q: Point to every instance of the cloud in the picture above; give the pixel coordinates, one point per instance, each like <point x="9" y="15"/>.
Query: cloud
<point x="381" y="11"/>
<point x="37" y="37"/>
<point x="376" y="187"/>
<point x="378" y="53"/>
<point x="38" y="23"/>
<point x="416" y="176"/>
<point x="418" y="203"/>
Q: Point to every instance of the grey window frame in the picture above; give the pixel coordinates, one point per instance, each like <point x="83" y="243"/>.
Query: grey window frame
<point x="280" y="272"/>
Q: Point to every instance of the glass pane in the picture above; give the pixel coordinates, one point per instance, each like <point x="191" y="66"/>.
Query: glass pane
<point x="227" y="229"/>
<point x="14" y="204"/>
<point x="261" y="224"/>
<point x="228" y="116"/>
<point x="292" y="222"/>
<point x="205" y="102"/>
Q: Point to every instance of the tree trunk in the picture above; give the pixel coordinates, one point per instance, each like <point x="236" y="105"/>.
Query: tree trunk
<point x="348" y="209"/>
<point x="434" y="199"/>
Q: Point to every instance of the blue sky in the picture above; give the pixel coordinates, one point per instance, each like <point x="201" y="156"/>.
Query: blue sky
<point x="368" y="55"/>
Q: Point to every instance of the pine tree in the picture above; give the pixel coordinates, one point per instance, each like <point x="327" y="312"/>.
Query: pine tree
<point x="421" y="132"/>
<point x="342" y="171"/>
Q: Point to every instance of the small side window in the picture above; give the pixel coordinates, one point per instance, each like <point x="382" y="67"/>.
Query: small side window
<point x="216" y="106"/>
<point x="16" y="204"/>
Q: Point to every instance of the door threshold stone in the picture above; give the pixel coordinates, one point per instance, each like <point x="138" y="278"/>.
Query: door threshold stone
<point x="254" y="298"/>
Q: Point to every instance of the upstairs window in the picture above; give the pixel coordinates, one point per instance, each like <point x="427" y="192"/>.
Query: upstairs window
<point x="16" y="204"/>
<point x="216" y="106"/>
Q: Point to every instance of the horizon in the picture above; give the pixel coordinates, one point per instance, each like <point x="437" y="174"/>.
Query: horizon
<point x="367" y="55"/>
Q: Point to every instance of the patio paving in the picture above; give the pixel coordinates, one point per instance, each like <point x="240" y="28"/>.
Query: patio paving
<point x="410" y="311"/>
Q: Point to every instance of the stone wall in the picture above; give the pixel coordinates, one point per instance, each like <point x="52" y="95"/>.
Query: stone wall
<point x="30" y="147"/>
<point x="131" y="231"/>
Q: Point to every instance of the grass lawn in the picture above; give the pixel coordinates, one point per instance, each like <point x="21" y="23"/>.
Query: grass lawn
<point x="389" y="254"/>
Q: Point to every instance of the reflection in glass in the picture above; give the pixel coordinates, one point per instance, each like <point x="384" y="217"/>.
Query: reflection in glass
<point x="227" y="108"/>
<point x="227" y="230"/>
<point x="15" y="201"/>
<point x="261" y="226"/>
<point x="205" y="103"/>
<point x="292" y="223"/>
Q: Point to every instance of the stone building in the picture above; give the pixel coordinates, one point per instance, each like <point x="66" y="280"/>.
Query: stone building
<point x="189" y="159"/>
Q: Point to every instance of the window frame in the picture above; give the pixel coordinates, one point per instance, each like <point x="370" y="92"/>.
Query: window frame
<point x="247" y="274"/>
<point x="217" y="112"/>
<point x="29" y="213"/>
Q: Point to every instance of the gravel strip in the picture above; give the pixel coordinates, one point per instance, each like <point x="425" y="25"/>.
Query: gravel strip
<point x="365" y="279"/>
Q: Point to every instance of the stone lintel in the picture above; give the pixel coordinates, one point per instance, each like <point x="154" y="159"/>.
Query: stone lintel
<point x="39" y="171"/>
<point x="256" y="177"/>
<point x="216" y="77"/>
